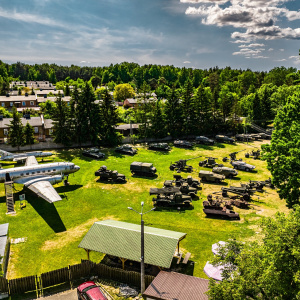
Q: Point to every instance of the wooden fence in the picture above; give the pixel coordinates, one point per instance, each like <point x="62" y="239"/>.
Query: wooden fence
<point x="69" y="275"/>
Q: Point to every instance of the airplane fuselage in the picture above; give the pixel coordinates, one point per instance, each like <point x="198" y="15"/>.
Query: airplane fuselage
<point x="17" y="156"/>
<point x="27" y="172"/>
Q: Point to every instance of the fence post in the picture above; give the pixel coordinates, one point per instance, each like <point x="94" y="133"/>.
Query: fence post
<point x="70" y="277"/>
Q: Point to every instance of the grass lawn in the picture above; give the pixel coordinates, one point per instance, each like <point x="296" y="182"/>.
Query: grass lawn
<point x="53" y="232"/>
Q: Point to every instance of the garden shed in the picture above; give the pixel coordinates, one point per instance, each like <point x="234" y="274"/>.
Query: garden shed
<point x="123" y="240"/>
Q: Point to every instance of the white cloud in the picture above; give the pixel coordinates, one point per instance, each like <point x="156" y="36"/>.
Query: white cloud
<point x="186" y="62"/>
<point x="283" y="59"/>
<point x="292" y="57"/>
<point x="252" y="45"/>
<point x="270" y="49"/>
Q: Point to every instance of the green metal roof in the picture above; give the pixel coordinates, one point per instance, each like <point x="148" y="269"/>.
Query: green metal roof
<point x="123" y="240"/>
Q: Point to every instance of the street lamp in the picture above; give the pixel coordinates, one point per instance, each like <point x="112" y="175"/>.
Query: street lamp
<point x="142" y="246"/>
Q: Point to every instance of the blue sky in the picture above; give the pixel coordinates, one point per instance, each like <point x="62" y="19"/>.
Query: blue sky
<point x="255" y="34"/>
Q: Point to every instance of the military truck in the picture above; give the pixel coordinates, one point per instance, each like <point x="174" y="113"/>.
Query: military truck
<point x="241" y="165"/>
<point x="159" y="146"/>
<point x="142" y="169"/>
<point x="224" y="139"/>
<point x="189" y="180"/>
<point x="109" y="175"/>
<point x="183" y="144"/>
<point x="126" y="149"/>
<point x="208" y="176"/>
<point x="171" y="201"/>
<point x="227" y="172"/>
<point x="204" y="140"/>
<point x="209" y="162"/>
<point x="184" y="188"/>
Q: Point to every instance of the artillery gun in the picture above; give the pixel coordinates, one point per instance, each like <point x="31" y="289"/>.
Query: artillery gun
<point x="228" y="201"/>
<point x="189" y="180"/>
<point x="106" y="175"/>
<point x="209" y="162"/>
<point x="255" y="154"/>
<point x="232" y="156"/>
<point x="244" y="192"/>
<point x="181" y="165"/>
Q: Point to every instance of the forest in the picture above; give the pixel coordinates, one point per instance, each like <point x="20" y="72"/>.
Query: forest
<point x="188" y="101"/>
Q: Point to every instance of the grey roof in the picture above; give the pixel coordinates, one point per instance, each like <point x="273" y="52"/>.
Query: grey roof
<point x="128" y="126"/>
<point x="176" y="286"/>
<point x="123" y="240"/>
<point x="48" y="123"/>
<point x="46" y="92"/>
<point x="53" y="99"/>
<point x="33" y="121"/>
<point x="4" y="229"/>
<point x="17" y="98"/>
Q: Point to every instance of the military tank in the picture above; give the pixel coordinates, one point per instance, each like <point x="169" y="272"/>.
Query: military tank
<point x="109" y="175"/>
<point x="142" y="169"/>
<point x="183" y="144"/>
<point x="126" y="149"/>
<point x="159" y="146"/>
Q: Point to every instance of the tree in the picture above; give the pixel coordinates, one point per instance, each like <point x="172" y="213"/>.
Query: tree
<point x="282" y="154"/>
<point x="61" y="122"/>
<point x="269" y="269"/>
<point x="174" y="119"/>
<point x="109" y="118"/>
<point x="158" y="123"/>
<point x="123" y="91"/>
<point x="16" y="133"/>
<point x="29" y="134"/>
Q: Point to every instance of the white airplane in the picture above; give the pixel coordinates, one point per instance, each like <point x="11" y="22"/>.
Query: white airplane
<point x="38" y="178"/>
<point x="20" y="157"/>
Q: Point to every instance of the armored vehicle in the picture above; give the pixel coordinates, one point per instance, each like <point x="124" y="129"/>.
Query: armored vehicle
<point x="255" y="136"/>
<point x="242" y="193"/>
<point x="244" y="137"/>
<point x="204" y="140"/>
<point x="241" y="165"/>
<point x="210" y="176"/>
<point x="183" y="144"/>
<point x="93" y="153"/>
<point x="181" y="165"/>
<point x="189" y="180"/>
<point x="184" y="188"/>
<point x="126" y="149"/>
<point x="159" y="146"/>
<point x="227" y="172"/>
<point x="254" y="153"/>
<point x="175" y="200"/>
<point x="265" y="136"/>
<point x="143" y="169"/>
<point x="110" y="175"/>
<point x="209" y="162"/>
<point x="224" y="139"/>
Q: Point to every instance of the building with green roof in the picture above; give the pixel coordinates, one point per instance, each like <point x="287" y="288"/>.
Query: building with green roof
<point x="123" y="240"/>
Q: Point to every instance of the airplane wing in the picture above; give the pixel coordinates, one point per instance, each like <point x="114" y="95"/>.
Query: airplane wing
<point x="31" y="161"/>
<point x="45" y="190"/>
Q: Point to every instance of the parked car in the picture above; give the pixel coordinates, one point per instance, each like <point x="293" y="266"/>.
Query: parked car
<point x="93" y="153"/>
<point x="204" y="140"/>
<point x="241" y="165"/>
<point x="90" y="291"/>
<point x="126" y="149"/>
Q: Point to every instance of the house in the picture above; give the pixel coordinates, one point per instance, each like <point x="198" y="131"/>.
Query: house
<point x="44" y="93"/>
<point x="135" y="102"/>
<point x="172" y="285"/>
<point x="45" y="85"/>
<point x="41" y="131"/>
<point x="128" y="129"/>
<point x="53" y="99"/>
<point x="26" y="101"/>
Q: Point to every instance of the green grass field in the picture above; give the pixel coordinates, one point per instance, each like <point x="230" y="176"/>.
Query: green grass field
<point x="53" y="232"/>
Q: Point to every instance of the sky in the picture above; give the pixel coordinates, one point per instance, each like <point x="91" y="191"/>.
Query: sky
<point x="254" y="34"/>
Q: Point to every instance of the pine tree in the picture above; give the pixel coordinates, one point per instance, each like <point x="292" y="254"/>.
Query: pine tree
<point x="173" y="114"/>
<point x="29" y="134"/>
<point x="158" y="123"/>
<point x="61" y="122"/>
<point x="109" y="118"/>
<point x="16" y="133"/>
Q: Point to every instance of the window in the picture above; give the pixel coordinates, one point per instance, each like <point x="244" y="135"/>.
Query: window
<point x="54" y="170"/>
<point x="32" y="172"/>
<point x="3" y="104"/>
<point x="38" y="171"/>
<point x="23" y="103"/>
<point x="44" y="171"/>
<point x="36" y="130"/>
<point x="11" y="103"/>
<point x="31" y="102"/>
<point x="5" y="131"/>
<point x="27" y="173"/>
<point x="49" y="170"/>
<point x="50" y="131"/>
<point x="22" y="174"/>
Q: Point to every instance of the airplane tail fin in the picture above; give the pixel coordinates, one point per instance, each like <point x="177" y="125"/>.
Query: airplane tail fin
<point x="4" y="153"/>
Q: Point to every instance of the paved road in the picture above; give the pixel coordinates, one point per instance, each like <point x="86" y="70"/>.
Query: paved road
<point x="68" y="295"/>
